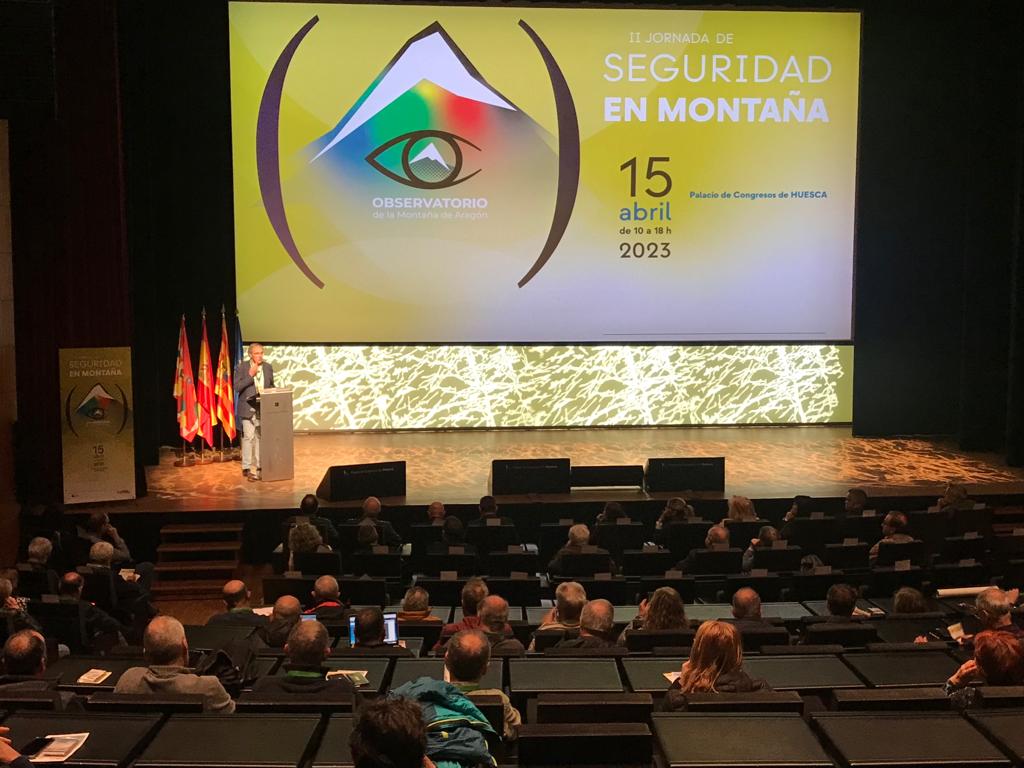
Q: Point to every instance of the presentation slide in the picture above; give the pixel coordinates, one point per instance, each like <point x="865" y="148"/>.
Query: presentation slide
<point x="435" y="174"/>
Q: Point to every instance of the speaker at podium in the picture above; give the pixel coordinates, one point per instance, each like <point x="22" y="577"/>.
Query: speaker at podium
<point x="277" y="435"/>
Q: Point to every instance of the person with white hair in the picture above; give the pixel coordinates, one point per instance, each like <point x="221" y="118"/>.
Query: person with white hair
<point x="597" y="627"/>
<point x="579" y="542"/>
<point x="166" y="650"/>
<point x="252" y="376"/>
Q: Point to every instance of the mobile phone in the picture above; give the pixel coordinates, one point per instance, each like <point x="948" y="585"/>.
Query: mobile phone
<point x="309" y="617"/>
<point x="38" y="744"/>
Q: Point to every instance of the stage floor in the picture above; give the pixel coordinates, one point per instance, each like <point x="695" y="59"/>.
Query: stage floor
<point x="761" y="462"/>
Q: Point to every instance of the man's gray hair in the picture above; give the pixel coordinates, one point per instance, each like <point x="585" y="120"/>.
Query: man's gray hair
<point x="579" y="535"/>
<point x="40" y="549"/>
<point x="308" y="643"/>
<point x="101" y="553"/>
<point x="164" y="641"/>
<point x="598" y="616"/>
<point x="994" y="602"/>
<point x="416" y="599"/>
<point x="570" y="597"/>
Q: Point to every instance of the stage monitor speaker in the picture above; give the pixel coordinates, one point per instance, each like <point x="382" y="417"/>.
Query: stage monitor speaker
<point x="510" y="477"/>
<point x="617" y="476"/>
<point x="357" y="481"/>
<point x="696" y="474"/>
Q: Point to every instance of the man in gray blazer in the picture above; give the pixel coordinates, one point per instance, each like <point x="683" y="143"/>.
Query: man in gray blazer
<point x="252" y="376"/>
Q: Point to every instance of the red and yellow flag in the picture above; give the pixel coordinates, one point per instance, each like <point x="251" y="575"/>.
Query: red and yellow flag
<point x="207" y="417"/>
<point x="223" y="388"/>
<point x="185" y="390"/>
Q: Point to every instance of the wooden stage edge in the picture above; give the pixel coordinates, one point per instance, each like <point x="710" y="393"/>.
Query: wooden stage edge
<point x="453" y="466"/>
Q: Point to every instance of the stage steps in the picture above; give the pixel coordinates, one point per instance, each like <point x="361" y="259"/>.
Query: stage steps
<point x="195" y="559"/>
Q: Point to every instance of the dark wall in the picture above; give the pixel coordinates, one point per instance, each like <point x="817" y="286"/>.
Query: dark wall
<point x="120" y="134"/>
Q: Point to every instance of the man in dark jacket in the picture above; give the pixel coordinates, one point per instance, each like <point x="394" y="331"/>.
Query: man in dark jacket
<point x="746" y="611"/>
<point x="283" y="619"/>
<point x="717" y="538"/>
<point x="97" y="621"/>
<point x="597" y="627"/>
<point x="239" y="613"/>
<point x="310" y="508"/>
<point x="385" y="531"/>
<point x="578" y="543"/>
<point x="370" y="636"/>
<point x="305" y="676"/>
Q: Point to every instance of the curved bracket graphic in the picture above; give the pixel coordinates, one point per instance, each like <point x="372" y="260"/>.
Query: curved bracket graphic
<point x="124" y="409"/>
<point x="568" y="155"/>
<point x="67" y="413"/>
<point x="268" y="169"/>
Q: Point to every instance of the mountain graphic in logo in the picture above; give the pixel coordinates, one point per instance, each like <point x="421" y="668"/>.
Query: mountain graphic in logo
<point x="96" y="404"/>
<point x="429" y="121"/>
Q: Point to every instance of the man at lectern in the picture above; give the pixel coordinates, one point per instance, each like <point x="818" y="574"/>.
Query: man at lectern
<point x="252" y="376"/>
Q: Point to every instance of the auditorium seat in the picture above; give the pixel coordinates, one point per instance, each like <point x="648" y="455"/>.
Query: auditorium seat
<point x="45" y="699"/>
<point x="756" y="639"/>
<point x="546" y="638"/>
<point x="317" y="563"/>
<point x="902" y="670"/>
<point x="366" y="591"/>
<point x="551" y="537"/>
<point x="977" y="520"/>
<point x="754" y="701"/>
<point x="680" y="538"/>
<point x="847" y="634"/>
<point x="965" y="574"/>
<point x="618" y="536"/>
<point x="717" y="561"/>
<point x="616" y="590"/>
<point x="463" y="563"/>
<point x="778" y="560"/>
<point x="585" y="744"/>
<point x="517" y="591"/>
<point x="768" y="586"/>
<point x="814" y="586"/>
<point x="645" y="640"/>
<point x="296" y="585"/>
<point x="957" y="548"/>
<point x="383" y="565"/>
<point x="490" y="538"/>
<point x="504" y="564"/>
<point x="113" y="738"/>
<point x="803" y="673"/>
<point x="890" y="553"/>
<point x="63" y="622"/>
<point x="847" y="556"/>
<point x="98" y="588"/>
<point x="145" y="702"/>
<point x="742" y="531"/>
<point x="1002" y="696"/>
<point x="886" y="580"/>
<point x="861" y="527"/>
<point x="890" y="699"/>
<point x="738" y="740"/>
<point x="604" y="652"/>
<point x="594" y="707"/>
<point x="812" y="533"/>
<point x="33" y="583"/>
<point x="259" y="703"/>
<point x="928" y="526"/>
<point x="641" y="562"/>
<point x="584" y="564"/>
<point x="686" y="586"/>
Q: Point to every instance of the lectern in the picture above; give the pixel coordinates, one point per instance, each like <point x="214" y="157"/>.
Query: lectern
<point x="277" y="449"/>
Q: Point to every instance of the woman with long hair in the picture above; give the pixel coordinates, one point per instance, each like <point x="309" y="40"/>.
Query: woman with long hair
<point x="664" y="609"/>
<point x="715" y="666"/>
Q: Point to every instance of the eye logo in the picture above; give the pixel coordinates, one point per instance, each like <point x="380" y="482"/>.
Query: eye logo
<point x="426" y="164"/>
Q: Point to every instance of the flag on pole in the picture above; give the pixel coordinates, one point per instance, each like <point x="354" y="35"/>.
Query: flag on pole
<point x="185" y="389"/>
<point x="207" y="417"/>
<point x="223" y="389"/>
<point x="239" y="351"/>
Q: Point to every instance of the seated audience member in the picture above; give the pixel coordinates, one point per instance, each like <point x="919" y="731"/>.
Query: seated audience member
<point x="570" y="597"/>
<point x="304" y="539"/>
<point x="717" y="538"/>
<point x="954" y="498"/>
<point x="856" y="502"/>
<point x="663" y="610"/>
<point x="740" y="510"/>
<point x="466" y="659"/>
<point x="998" y="660"/>
<point x="488" y="509"/>
<point x="166" y="652"/>
<point x="370" y="633"/>
<point x="908" y="600"/>
<point x="389" y="733"/>
<point x="715" y="666"/>
<point x="132" y="591"/>
<point x="597" y="625"/>
<point x="802" y="506"/>
<point x="579" y="539"/>
<point x="283" y="619"/>
<point x="765" y="537"/>
<point x="39" y="551"/>
<point x="611" y="512"/>
<point x="493" y="614"/>
<point x="24" y="664"/>
<point x="305" y="675"/>
<point x="327" y="605"/>
<point x="841" y="604"/>
<point x="416" y="606"/>
<point x="12" y="612"/>
<point x="98" y="528"/>
<point x="100" y="626"/>
<point x="309" y="508"/>
<point x="676" y="511"/>
<point x="436" y="511"/>
<point x="386" y="532"/>
<point x="994" y="609"/>
<point x="895" y="529"/>
<point x="473" y="591"/>
<point x="367" y="537"/>
<point x="746" y="610"/>
<point x="453" y="534"/>
<point x="239" y="613"/>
